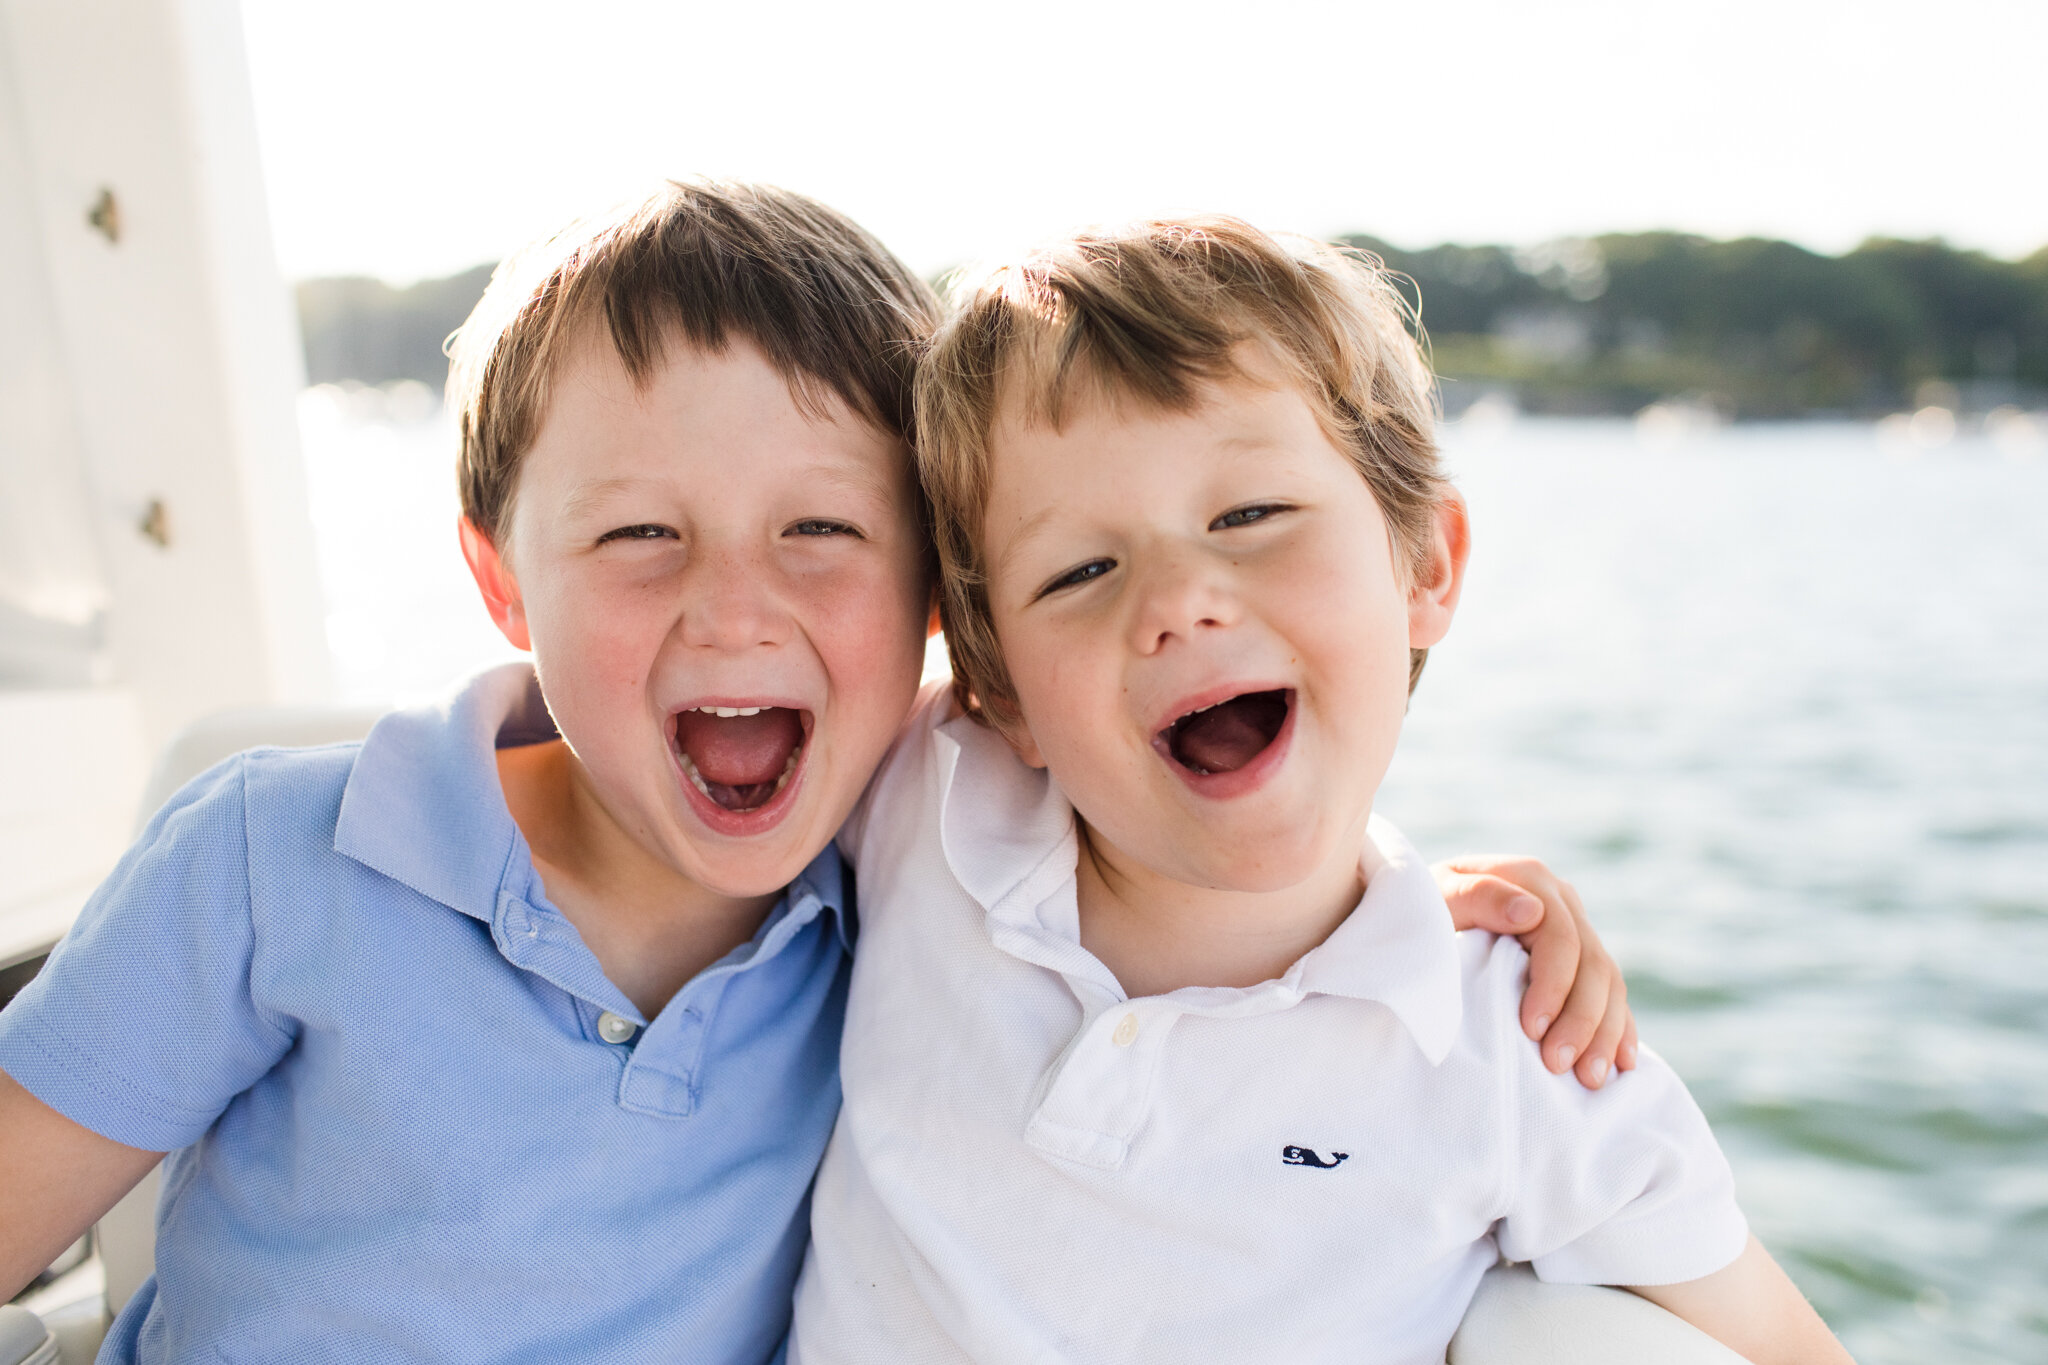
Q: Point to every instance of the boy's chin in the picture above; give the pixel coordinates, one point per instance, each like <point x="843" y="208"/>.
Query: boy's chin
<point x="749" y="862"/>
<point x="747" y="873"/>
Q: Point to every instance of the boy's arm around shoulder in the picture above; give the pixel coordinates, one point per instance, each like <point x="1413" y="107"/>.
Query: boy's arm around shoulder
<point x="138" y="1031"/>
<point x="1576" y="1003"/>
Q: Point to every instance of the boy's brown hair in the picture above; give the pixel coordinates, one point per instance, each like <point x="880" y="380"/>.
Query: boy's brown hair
<point x="1149" y="312"/>
<point x="698" y="261"/>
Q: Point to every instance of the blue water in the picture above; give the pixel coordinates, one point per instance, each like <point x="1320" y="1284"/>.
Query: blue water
<point x="1774" y="698"/>
<point x="1777" y="703"/>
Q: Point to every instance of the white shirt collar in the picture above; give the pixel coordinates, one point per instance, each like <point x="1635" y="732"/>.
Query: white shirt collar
<point x="1009" y="837"/>
<point x="1397" y="946"/>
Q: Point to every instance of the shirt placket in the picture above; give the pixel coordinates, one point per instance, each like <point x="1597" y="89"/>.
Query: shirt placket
<point x="1100" y="1090"/>
<point x="661" y="1061"/>
<point x="664" y="1074"/>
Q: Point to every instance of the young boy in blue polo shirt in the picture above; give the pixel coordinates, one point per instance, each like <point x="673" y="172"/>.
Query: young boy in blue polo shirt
<point x="511" y="1033"/>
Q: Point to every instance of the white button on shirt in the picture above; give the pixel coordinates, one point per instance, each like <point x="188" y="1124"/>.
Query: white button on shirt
<point x="1031" y="1167"/>
<point x="616" y="1028"/>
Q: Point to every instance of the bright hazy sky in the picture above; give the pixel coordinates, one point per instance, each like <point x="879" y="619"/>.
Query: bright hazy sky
<point x="407" y="138"/>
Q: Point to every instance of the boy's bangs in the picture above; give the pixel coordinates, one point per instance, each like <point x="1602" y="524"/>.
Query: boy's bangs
<point x="1070" y="344"/>
<point x="697" y="262"/>
<point x="806" y="293"/>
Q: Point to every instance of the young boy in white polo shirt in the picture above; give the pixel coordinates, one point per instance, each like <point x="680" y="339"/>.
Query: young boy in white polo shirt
<point x="1160" y="1046"/>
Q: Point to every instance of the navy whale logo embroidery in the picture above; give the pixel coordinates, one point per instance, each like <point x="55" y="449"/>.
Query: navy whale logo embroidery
<point x="1306" y="1156"/>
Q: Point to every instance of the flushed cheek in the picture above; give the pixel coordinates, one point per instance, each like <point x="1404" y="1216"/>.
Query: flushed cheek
<point x="1348" y="623"/>
<point x="603" y="621"/>
<point x="1062" y="680"/>
<point x="869" y="614"/>
<point x="1086" y="712"/>
<point x="869" y="651"/>
<point x="608" y="666"/>
<point x="871" y="644"/>
<point x="1349" y="737"/>
<point x="596" y="670"/>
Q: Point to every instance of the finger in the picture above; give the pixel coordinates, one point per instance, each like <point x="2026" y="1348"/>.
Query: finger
<point x="1554" y="967"/>
<point x="1483" y="901"/>
<point x="1531" y="874"/>
<point x="1625" y="1051"/>
<point x="1579" y="1020"/>
<point x="1569" y="894"/>
<point x="1597" y="1062"/>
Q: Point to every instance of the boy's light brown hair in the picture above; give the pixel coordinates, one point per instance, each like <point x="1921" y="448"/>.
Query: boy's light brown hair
<point x="698" y="262"/>
<point x="1150" y="312"/>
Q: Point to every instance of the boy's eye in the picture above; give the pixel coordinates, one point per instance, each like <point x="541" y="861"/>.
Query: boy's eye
<point x="1245" y="516"/>
<point x="644" y="531"/>
<point x="820" y="526"/>
<point x="1080" y="573"/>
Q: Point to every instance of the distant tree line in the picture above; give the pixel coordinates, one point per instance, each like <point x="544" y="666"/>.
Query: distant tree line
<point x="1754" y="327"/>
<point x="1758" y="328"/>
<point x="366" y="331"/>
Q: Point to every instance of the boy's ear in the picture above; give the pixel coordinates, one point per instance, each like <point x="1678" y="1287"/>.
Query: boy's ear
<point x="495" y="581"/>
<point x="1433" y="598"/>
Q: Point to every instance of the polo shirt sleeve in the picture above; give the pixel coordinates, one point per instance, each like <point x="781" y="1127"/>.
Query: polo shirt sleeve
<point x="1622" y="1185"/>
<point x="142" y="1025"/>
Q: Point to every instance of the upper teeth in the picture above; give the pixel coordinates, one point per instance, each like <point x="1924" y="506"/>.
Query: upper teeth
<point x="728" y="712"/>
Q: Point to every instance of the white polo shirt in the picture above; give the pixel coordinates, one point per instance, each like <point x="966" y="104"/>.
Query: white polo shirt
<point x="1030" y="1166"/>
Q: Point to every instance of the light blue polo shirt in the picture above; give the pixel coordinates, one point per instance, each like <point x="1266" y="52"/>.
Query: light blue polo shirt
<point x="329" y="982"/>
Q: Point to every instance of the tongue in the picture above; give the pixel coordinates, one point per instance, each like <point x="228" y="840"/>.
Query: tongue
<point x="1224" y="738"/>
<point x="740" y="751"/>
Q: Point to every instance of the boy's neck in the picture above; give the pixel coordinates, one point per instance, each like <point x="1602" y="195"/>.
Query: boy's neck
<point x="650" y="927"/>
<point x="1157" y="935"/>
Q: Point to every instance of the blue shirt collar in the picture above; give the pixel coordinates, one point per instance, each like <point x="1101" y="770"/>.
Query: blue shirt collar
<point x="423" y="806"/>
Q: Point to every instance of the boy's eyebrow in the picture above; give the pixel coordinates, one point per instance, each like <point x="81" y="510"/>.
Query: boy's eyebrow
<point x="584" y="496"/>
<point x="854" y="477"/>
<point x="1029" y="528"/>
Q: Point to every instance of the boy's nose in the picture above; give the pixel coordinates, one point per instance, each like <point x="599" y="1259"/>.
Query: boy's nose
<point x="729" y="603"/>
<point x="1178" y="598"/>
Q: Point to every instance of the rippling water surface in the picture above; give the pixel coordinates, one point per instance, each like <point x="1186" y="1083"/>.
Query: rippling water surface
<point x="1775" y="700"/>
<point x="1778" y="704"/>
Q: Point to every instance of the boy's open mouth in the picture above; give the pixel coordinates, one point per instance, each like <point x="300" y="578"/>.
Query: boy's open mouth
<point x="739" y="757"/>
<point x="1224" y="737"/>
